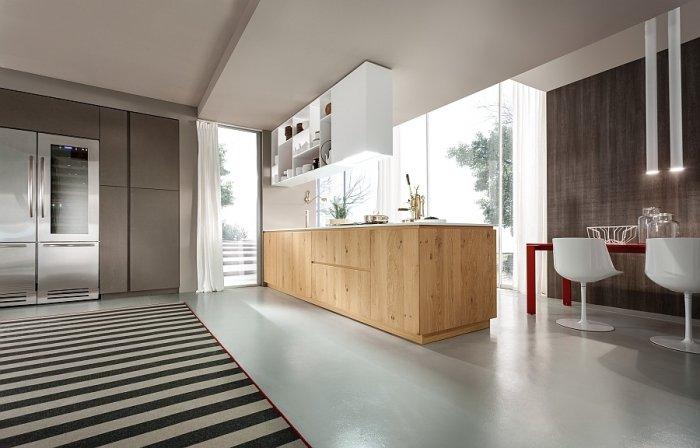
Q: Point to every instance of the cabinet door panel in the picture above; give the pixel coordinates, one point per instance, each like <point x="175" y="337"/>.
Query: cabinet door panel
<point x="342" y="247"/>
<point x="301" y="264"/>
<point x="154" y="241"/>
<point x="457" y="277"/>
<point x="113" y="147"/>
<point x="49" y="115"/>
<point x="154" y="150"/>
<point x="270" y="255"/>
<point x="113" y="239"/>
<point x="347" y="290"/>
<point x="394" y="280"/>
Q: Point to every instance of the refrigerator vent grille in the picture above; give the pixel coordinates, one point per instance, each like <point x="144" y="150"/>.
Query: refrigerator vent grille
<point x="13" y="297"/>
<point x="58" y="294"/>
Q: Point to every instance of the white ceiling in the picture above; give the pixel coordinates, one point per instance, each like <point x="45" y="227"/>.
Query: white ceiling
<point x="439" y="51"/>
<point x="256" y="71"/>
<point x="164" y="49"/>
<point x="620" y="48"/>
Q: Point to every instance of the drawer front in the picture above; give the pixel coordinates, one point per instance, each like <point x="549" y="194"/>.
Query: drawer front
<point x="349" y="248"/>
<point x="344" y="289"/>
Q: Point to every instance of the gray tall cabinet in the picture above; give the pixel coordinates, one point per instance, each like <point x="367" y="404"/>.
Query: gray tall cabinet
<point x="154" y="218"/>
<point x="139" y="184"/>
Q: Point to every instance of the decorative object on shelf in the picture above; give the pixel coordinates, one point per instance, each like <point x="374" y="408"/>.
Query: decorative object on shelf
<point x="297" y="171"/>
<point x="300" y="127"/>
<point x="326" y="152"/>
<point x="328" y="109"/>
<point x="644" y="221"/>
<point x="288" y="132"/>
<point x="416" y="203"/>
<point x="662" y="225"/>
<point x="316" y="162"/>
<point x="613" y="234"/>
<point x="306" y="168"/>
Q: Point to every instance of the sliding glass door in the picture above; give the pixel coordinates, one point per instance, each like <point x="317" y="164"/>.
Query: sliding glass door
<point x="239" y="163"/>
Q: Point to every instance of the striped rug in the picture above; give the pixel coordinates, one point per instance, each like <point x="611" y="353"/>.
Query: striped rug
<point x="132" y="377"/>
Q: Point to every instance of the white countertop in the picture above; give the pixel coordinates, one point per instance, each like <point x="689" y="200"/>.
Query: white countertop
<point x="391" y="224"/>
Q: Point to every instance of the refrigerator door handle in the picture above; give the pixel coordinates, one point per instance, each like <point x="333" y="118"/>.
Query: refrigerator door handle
<point x="30" y="186"/>
<point x="41" y="185"/>
<point x="5" y="245"/>
<point x="68" y="244"/>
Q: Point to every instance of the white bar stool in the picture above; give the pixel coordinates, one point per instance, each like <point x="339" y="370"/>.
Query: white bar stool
<point x="674" y="263"/>
<point x="583" y="260"/>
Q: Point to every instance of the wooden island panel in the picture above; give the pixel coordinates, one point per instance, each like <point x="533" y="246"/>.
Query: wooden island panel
<point x="457" y="278"/>
<point x="420" y="282"/>
<point x="395" y="275"/>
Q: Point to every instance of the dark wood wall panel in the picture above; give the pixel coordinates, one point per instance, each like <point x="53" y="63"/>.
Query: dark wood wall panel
<point x="596" y="164"/>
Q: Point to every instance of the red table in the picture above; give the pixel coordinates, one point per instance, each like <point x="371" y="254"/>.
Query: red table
<point x="533" y="247"/>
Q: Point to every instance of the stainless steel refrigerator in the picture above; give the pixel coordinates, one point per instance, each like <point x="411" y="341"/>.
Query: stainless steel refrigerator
<point x="49" y="218"/>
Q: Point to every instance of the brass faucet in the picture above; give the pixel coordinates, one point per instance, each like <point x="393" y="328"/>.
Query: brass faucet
<point x="416" y="203"/>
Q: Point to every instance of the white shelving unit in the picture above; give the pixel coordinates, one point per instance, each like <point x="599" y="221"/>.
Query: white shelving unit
<point x="358" y="128"/>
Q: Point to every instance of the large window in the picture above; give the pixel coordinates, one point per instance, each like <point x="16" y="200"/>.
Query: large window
<point x="238" y="160"/>
<point x="460" y="156"/>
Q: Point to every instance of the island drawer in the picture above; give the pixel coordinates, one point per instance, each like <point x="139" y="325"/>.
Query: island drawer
<point x="345" y="248"/>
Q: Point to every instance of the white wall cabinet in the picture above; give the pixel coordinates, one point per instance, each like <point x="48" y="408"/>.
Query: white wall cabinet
<point x="358" y="128"/>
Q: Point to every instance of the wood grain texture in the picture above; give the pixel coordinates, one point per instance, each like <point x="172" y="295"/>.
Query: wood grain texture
<point x="395" y="278"/>
<point x="342" y="288"/>
<point x="270" y="258"/>
<point x="422" y="283"/>
<point x="596" y="166"/>
<point x="457" y="277"/>
<point x="348" y="248"/>
<point x="301" y="264"/>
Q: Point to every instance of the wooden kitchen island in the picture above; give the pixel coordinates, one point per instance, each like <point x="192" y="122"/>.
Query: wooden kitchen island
<point x="422" y="282"/>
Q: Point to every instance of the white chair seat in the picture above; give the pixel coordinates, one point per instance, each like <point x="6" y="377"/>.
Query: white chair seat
<point x="674" y="263"/>
<point x="583" y="260"/>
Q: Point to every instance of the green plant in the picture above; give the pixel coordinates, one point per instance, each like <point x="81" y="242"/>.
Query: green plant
<point x="233" y="232"/>
<point x="481" y="156"/>
<point x="227" y="197"/>
<point x="355" y="191"/>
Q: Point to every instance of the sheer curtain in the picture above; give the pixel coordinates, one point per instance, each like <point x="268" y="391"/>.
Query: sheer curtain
<point x="529" y="181"/>
<point x="210" y="270"/>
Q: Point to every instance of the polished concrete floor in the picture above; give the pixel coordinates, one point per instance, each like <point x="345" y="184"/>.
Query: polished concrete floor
<point x="526" y="382"/>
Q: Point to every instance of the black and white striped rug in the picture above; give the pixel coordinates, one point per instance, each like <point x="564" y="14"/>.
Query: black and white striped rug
<point x="149" y="376"/>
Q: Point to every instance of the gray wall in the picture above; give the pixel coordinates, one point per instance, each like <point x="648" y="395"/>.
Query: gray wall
<point x="283" y="207"/>
<point x="187" y="116"/>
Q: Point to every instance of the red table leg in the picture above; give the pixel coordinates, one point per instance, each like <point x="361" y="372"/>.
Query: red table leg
<point x="530" y="280"/>
<point x="566" y="284"/>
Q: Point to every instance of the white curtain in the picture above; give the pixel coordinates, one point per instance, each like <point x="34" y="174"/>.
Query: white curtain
<point x="210" y="270"/>
<point x="529" y="181"/>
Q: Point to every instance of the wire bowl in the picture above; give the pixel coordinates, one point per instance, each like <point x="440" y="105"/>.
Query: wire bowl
<point x="613" y="234"/>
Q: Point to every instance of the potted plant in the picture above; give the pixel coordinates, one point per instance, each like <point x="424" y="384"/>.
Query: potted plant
<point x="356" y="191"/>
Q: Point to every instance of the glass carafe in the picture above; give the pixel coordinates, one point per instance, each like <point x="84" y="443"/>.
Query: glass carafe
<point x="645" y="220"/>
<point x="662" y="226"/>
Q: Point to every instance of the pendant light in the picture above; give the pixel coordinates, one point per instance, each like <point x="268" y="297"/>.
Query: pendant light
<point x="674" y="89"/>
<point x="652" y="125"/>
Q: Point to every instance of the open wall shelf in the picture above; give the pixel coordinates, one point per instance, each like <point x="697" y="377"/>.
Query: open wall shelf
<point x="359" y="123"/>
